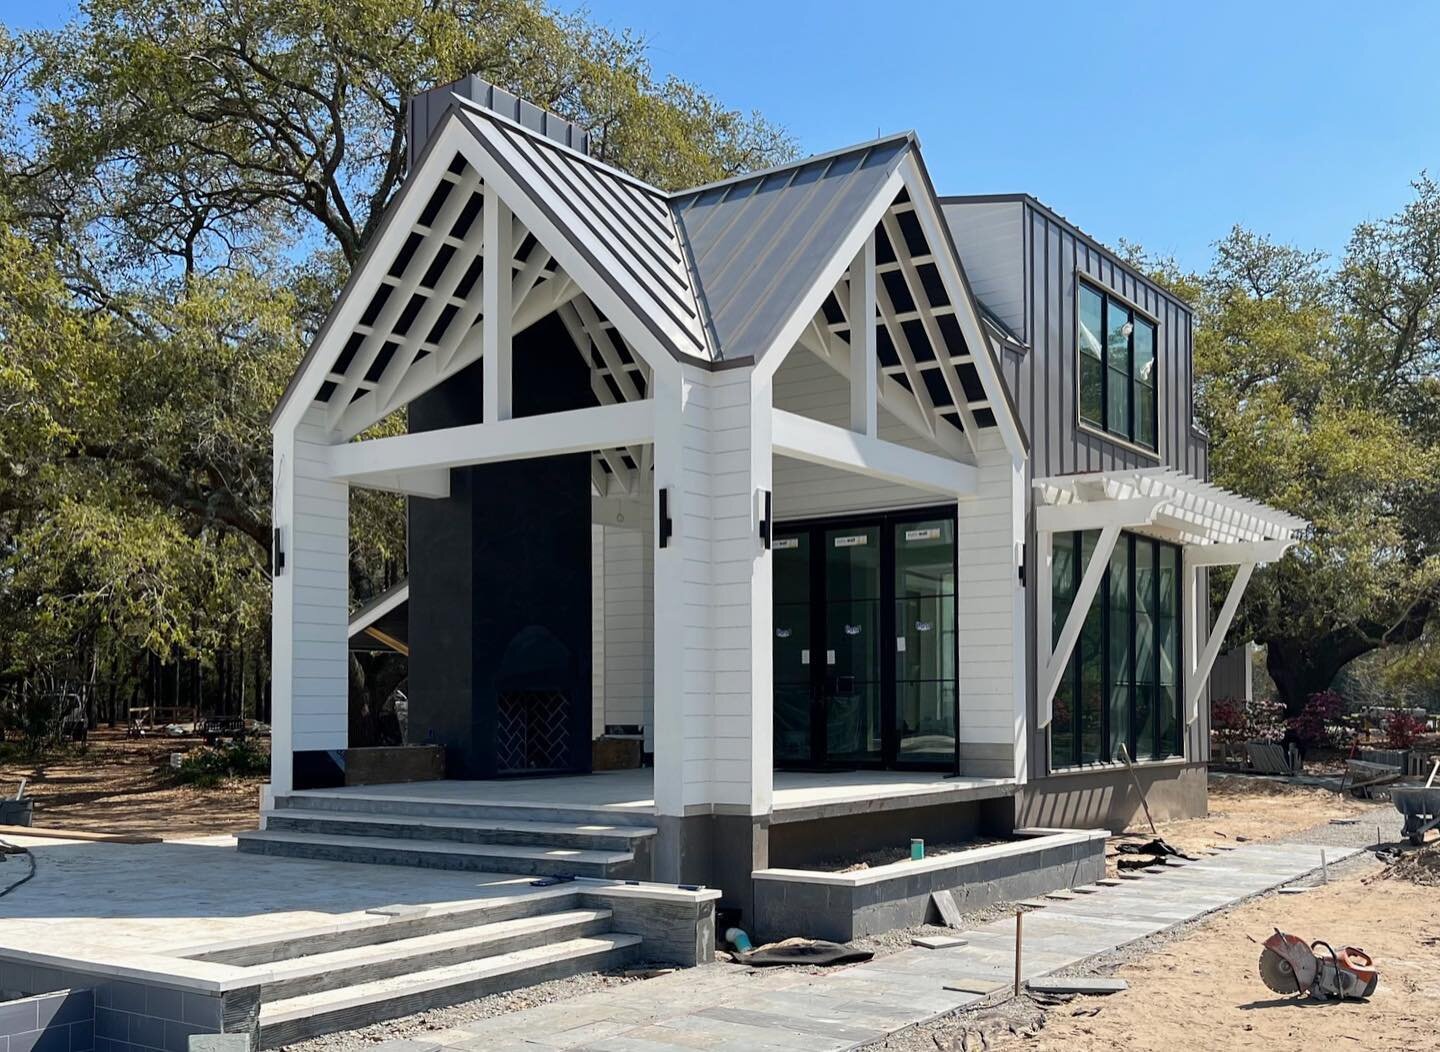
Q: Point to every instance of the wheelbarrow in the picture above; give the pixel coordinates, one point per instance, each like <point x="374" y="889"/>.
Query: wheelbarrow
<point x="1420" y="806"/>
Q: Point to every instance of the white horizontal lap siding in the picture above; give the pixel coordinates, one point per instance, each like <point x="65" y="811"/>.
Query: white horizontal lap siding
<point x="710" y="720"/>
<point x="310" y="598"/>
<point x="597" y="630"/>
<point x="805" y="385"/>
<point x="991" y="603"/>
<point x="629" y="615"/>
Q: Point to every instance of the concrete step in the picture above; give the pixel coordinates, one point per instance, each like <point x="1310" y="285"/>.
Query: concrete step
<point x="383" y="960"/>
<point x="425" y="807"/>
<point x="463" y="830"/>
<point x="293" y="1019"/>
<point x="440" y="854"/>
<point x="390" y="924"/>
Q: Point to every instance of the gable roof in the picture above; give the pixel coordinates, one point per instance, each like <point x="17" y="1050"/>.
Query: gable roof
<point x="759" y="241"/>
<point x="711" y="275"/>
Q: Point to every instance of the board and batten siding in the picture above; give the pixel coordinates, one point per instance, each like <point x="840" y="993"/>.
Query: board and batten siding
<point x="310" y="657"/>
<point x="1043" y="380"/>
<point x="629" y="618"/>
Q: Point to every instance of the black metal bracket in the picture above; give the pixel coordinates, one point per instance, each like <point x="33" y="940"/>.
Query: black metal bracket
<point x="767" y="529"/>
<point x="1021" y="569"/>
<point x="277" y="556"/>
<point x="664" y="524"/>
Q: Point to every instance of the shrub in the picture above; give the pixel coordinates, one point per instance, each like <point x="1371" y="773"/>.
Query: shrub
<point x="1318" y="722"/>
<point x="1402" y="730"/>
<point x="208" y="767"/>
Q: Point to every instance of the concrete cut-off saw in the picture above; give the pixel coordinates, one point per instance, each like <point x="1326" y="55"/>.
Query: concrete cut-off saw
<point x="1290" y="965"/>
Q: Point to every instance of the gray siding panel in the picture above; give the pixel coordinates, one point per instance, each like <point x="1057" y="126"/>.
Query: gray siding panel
<point x="988" y="236"/>
<point x="1044" y="382"/>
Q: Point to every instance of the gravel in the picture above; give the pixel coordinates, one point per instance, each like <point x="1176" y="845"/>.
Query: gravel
<point x="431" y="1021"/>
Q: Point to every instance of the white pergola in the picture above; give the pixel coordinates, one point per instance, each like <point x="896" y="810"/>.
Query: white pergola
<point x="1213" y="526"/>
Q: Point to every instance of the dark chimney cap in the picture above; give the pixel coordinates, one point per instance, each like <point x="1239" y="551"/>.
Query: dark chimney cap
<point x="428" y="107"/>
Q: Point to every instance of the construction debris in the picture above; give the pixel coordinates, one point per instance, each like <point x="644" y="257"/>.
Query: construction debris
<point x="944" y="904"/>
<point x="936" y="942"/>
<point x="1078" y="984"/>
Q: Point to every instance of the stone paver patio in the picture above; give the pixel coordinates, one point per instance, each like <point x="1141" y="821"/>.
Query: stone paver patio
<point x="731" y="1009"/>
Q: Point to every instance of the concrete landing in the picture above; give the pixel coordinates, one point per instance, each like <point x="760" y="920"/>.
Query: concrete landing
<point x="730" y="1007"/>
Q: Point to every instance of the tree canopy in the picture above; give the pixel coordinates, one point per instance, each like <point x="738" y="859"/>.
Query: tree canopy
<point x="184" y="186"/>
<point x="1317" y="383"/>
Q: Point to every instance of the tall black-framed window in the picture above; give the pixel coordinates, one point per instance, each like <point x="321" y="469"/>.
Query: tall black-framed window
<point x="1123" y="682"/>
<point x="1117" y="367"/>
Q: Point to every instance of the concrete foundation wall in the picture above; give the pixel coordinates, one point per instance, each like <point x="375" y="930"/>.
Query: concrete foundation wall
<point x="1106" y="797"/>
<point x="798" y="845"/>
<point x="841" y="907"/>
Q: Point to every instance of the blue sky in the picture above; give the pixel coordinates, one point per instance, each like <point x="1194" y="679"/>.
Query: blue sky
<point x="1154" y="122"/>
<point x="1161" y="123"/>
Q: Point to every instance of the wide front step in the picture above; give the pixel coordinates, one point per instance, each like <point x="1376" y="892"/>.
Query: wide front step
<point x="425" y="807"/>
<point x="462" y="830"/>
<point x="441" y="854"/>
<point x="308" y="1015"/>
<point x="383" y="960"/>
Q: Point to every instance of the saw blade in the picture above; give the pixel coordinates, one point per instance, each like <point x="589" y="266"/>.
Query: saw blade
<point x="1276" y="973"/>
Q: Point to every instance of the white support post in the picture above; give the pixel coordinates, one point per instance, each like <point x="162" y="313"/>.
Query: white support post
<point x="1052" y="663"/>
<point x="1200" y="672"/>
<point x="864" y="358"/>
<point x="309" y="601"/>
<point x="670" y="635"/>
<point x="496" y="314"/>
<point x="1042" y="566"/>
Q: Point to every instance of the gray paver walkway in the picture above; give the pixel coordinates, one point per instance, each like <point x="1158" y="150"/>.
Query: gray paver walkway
<point x="720" y="1009"/>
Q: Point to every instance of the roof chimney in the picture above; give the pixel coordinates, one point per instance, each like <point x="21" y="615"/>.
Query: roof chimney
<point x="428" y="107"/>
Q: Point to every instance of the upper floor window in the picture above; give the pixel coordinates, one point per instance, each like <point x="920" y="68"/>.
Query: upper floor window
<point x="1117" y="367"/>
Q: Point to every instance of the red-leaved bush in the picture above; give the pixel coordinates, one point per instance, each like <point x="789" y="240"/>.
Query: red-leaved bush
<point x="1318" y="720"/>
<point x="1402" y="730"/>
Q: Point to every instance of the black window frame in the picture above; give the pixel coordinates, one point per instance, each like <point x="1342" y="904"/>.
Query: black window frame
<point x="1074" y="671"/>
<point x="1127" y="434"/>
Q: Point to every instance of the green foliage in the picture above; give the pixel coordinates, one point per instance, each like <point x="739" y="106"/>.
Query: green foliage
<point x="184" y="186"/>
<point x="1317" y="386"/>
<point x="207" y="767"/>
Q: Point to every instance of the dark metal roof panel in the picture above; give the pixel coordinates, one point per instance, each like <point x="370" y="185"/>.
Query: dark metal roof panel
<point x="758" y="243"/>
<point x="623" y="224"/>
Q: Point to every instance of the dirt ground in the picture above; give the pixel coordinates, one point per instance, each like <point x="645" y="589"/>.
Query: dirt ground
<point x="1253" y="809"/>
<point x="1207" y="982"/>
<point x="120" y="785"/>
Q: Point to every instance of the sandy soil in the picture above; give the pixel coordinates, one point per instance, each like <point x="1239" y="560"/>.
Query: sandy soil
<point x="1250" y="809"/>
<point x="1207" y="982"/>
<point x="118" y="785"/>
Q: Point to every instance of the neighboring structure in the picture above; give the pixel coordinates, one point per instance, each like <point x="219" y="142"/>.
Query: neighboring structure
<point x="662" y="485"/>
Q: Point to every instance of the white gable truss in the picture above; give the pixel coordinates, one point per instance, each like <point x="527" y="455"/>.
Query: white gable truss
<point x="592" y="245"/>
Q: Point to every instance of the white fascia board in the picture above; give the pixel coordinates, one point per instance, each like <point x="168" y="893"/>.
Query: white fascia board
<point x="982" y="352"/>
<point x="800" y="437"/>
<point x="433" y="483"/>
<point x="788" y="337"/>
<point x="551" y="434"/>
<point x="1096" y="515"/>
<point x="561" y="244"/>
<point x="394" y="231"/>
<point x="1236" y="553"/>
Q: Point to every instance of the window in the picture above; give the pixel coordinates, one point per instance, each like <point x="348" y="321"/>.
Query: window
<point x="1117" y="367"/>
<point x="1122" y="686"/>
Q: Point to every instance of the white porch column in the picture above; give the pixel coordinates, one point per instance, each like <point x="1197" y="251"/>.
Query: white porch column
<point x="713" y="732"/>
<point x="309" y="663"/>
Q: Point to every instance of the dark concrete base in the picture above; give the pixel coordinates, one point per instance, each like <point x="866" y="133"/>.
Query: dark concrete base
<point x="799" y="845"/>
<point x="1106" y="798"/>
<point x="843" y="906"/>
<point x="394" y="763"/>
<point x="719" y="851"/>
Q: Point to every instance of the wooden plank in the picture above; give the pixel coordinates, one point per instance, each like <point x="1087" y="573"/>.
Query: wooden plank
<point x="45" y="833"/>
